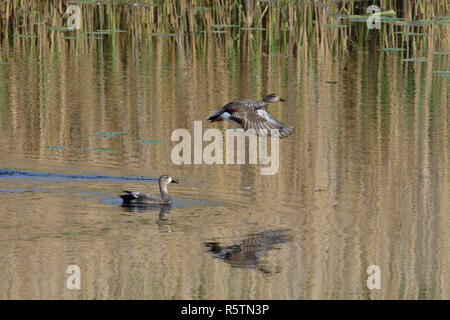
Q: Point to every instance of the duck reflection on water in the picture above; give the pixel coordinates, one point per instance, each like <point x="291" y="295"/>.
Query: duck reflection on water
<point x="164" y="220"/>
<point x="248" y="252"/>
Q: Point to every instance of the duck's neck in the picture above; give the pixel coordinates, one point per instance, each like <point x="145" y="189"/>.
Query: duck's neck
<point x="260" y="103"/>
<point x="163" y="190"/>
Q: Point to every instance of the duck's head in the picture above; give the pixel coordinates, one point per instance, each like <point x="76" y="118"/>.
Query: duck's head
<point x="167" y="179"/>
<point x="271" y="98"/>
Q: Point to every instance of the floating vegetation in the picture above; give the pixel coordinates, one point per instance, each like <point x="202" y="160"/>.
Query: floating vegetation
<point x="387" y="13"/>
<point x="102" y="149"/>
<point x="391" y="49"/>
<point x="150" y="141"/>
<point x="356" y="18"/>
<point x="106" y="31"/>
<point x="106" y="134"/>
<point x="339" y="15"/>
<point x="96" y="32"/>
<point x="77" y="38"/>
<point x="214" y="31"/>
<point x="393" y="20"/>
<point x="410" y="33"/>
<point x="331" y="82"/>
<point x="442" y="72"/>
<point x="56" y="147"/>
<point x="445" y="74"/>
<point x="25" y="36"/>
<point x="385" y="16"/>
<point x="440" y="52"/>
<point x="163" y="34"/>
<point x="416" y="60"/>
<point x="337" y="25"/>
<point x="440" y="22"/>
<point x="145" y="5"/>
<point x="253" y="29"/>
<point x="219" y="26"/>
<point x="63" y="29"/>
<point x="420" y="23"/>
<point x="67" y="38"/>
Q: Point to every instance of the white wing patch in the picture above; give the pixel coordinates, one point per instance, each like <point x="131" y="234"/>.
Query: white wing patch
<point x="225" y="116"/>
<point x="267" y="116"/>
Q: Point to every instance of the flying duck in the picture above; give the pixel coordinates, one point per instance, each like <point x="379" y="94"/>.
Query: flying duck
<point x="251" y="115"/>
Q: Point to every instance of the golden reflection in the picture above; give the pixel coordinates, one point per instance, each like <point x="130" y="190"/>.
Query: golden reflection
<point x="363" y="180"/>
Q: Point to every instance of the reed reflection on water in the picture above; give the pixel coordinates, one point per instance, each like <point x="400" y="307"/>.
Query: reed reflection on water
<point x="363" y="180"/>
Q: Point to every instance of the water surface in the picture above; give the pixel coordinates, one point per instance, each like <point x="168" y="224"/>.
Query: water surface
<point x="364" y="180"/>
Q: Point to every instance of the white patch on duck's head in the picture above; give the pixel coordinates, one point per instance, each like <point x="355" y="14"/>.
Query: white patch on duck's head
<point x="166" y="179"/>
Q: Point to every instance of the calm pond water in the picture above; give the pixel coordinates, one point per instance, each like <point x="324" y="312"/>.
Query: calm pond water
<point x="364" y="180"/>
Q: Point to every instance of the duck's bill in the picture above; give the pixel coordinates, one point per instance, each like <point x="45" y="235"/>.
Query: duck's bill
<point x="282" y="100"/>
<point x="174" y="181"/>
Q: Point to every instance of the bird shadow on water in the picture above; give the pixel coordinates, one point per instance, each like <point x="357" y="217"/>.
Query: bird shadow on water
<point x="247" y="253"/>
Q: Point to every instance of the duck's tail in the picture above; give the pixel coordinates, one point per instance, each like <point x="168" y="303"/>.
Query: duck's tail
<point x="127" y="198"/>
<point x="216" y="116"/>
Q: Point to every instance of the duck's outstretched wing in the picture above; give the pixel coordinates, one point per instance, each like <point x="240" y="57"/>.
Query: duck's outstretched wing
<point x="261" y="121"/>
<point x="248" y="117"/>
<point x="227" y="110"/>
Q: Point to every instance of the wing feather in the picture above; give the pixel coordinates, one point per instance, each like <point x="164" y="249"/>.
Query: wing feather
<point x="248" y="117"/>
<point x="261" y="121"/>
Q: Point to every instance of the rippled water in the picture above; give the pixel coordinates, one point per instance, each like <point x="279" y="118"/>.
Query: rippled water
<point x="364" y="179"/>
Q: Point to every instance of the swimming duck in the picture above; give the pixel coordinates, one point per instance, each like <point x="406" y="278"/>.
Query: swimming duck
<point x="133" y="197"/>
<point x="251" y="114"/>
